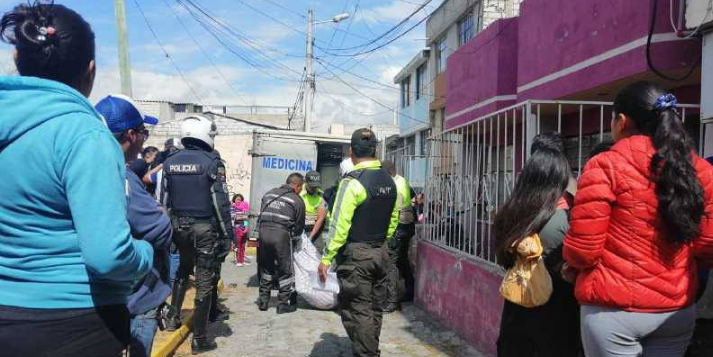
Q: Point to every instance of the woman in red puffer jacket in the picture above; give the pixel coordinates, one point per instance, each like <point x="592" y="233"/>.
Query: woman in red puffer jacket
<point x="641" y="225"/>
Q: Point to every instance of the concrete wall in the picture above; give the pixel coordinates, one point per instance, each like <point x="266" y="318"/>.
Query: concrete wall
<point x="590" y="44"/>
<point x="482" y="74"/>
<point x="462" y="294"/>
<point x="234" y="142"/>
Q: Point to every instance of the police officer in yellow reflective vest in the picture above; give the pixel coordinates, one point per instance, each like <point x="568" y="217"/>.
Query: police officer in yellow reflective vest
<point x="401" y="283"/>
<point x="364" y="216"/>
<point x="315" y="208"/>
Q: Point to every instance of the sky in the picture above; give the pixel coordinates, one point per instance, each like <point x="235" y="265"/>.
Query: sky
<point x="263" y="61"/>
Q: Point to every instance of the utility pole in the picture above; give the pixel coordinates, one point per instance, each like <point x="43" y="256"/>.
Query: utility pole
<point x="124" y="63"/>
<point x="309" y="73"/>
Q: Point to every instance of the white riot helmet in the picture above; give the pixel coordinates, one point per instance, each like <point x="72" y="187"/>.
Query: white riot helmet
<point x="199" y="127"/>
<point x="345" y="167"/>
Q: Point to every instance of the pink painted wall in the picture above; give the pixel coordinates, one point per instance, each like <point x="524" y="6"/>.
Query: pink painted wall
<point x="483" y="68"/>
<point x="460" y="294"/>
<point x="582" y="30"/>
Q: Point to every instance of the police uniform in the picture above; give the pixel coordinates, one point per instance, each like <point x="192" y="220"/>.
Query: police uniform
<point x="399" y="268"/>
<point x="195" y="192"/>
<point x="364" y="216"/>
<point x="314" y="202"/>
<point x="282" y="217"/>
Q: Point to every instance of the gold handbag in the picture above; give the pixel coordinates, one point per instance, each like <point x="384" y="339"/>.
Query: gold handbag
<point x="528" y="283"/>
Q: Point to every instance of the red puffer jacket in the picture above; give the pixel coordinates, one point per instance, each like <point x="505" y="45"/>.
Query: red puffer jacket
<point x="624" y="260"/>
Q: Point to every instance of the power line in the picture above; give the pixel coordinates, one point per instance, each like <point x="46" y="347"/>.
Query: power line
<point x="370" y="98"/>
<point x="221" y="32"/>
<point x="345" y="107"/>
<point x="382" y="36"/>
<point x="285" y="8"/>
<point x="197" y="43"/>
<point x="390" y="41"/>
<point x="160" y="44"/>
<point x="336" y="26"/>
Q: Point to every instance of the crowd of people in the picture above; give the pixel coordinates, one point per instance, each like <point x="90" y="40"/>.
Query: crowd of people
<point x="628" y="253"/>
<point x="97" y="231"/>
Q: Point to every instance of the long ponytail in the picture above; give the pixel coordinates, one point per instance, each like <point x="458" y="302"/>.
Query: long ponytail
<point x="680" y="195"/>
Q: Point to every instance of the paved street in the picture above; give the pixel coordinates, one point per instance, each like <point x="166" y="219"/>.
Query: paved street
<point x="314" y="333"/>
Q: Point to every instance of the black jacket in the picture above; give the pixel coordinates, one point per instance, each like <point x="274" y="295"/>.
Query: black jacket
<point x="282" y="207"/>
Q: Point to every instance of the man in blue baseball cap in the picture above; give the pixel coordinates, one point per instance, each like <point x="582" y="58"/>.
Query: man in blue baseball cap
<point x="146" y="220"/>
<point x="126" y="121"/>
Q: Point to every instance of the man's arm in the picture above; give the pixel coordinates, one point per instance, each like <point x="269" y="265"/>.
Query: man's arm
<point x="147" y="177"/>
<point x="321" y="215"/>
<point x="221" y="201"/>
<point x="394" y="222"/>
<point x="350" y="195"/>
<point x="145" y="217"/>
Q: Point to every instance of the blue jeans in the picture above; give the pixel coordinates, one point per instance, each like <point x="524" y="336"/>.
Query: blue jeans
<point x="143" y="330"/>
<point x="175" y="261"/>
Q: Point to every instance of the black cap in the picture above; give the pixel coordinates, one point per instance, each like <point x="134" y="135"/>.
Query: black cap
<point x="313" y="179"/>
<point x="364" y="138"/>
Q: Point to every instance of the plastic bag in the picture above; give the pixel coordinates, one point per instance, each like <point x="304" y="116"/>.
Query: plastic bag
<point x="306" y="261"/>
<point x="528" y="283"/>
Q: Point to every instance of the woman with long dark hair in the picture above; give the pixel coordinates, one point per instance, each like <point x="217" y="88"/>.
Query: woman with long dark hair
<point x="538" y="204"/>
<point x="67" y="258"/>
<point x="641" y="224"/>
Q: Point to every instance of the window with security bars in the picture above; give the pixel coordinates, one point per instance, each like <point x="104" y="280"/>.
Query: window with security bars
<point x="466" y="29"/>
<point x="406" y="92"/>
<point x="420" y="81"/>
<point x="441" y="55"/>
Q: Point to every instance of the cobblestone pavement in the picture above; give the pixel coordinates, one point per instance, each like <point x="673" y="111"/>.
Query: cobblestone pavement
<point x="314" y="333"/>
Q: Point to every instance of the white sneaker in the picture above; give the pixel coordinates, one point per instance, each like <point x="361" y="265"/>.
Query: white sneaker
<point x="246" y="264"/>
<point x="239" y="264"/>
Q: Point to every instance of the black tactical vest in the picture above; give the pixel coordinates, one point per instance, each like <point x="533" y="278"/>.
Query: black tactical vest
<point x="190" y="174"/>
<point x="372" y="218"/>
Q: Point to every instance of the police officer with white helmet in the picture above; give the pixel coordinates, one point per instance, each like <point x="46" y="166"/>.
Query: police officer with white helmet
<point x="196" y="195"/>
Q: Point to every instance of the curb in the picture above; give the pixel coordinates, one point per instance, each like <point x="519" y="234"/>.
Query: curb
<point x="180" y="335"/>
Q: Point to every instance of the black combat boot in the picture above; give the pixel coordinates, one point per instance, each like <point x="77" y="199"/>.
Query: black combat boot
<point x="200" y="342"/>
<point x="286" y="309"/>
<point x="180" y="286"/>
<point x="217" y="314"/>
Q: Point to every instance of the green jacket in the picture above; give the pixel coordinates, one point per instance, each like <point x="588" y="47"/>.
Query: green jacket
<point x="351" y="194"/>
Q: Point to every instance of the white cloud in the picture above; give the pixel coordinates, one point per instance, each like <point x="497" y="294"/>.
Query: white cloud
<point x="205" y="81"/>
<point x="393" y="12"/>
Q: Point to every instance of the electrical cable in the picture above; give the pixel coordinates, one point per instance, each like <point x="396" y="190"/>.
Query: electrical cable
<point x="648" y="51"/>
<point x="285" y="8"/>
<point x="218" y="30"/>
<point x="383" y="35"/>
<point x="336" y="26"/>
<point x="160" y="44"/>
<point x="370" y="98"/>
<point x="205" y="54"/>
<point x="390" y="41"/>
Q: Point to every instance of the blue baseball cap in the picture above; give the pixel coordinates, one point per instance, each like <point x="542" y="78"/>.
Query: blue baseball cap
<point x="121" y="113"/>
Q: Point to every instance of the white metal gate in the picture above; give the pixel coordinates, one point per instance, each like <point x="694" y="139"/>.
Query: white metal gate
<point x="472" y="168"/>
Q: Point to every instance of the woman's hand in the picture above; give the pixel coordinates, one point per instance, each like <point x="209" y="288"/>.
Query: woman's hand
<point x="568" y="273"/>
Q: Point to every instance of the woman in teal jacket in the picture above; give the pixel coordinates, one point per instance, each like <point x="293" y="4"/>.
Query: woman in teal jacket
<point x="67" y="258"/>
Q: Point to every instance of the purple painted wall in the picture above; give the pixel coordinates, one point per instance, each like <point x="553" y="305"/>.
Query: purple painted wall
<point x="483" y="68"/>
<point x="460" y="294"/>
<point x="583" y="30"/>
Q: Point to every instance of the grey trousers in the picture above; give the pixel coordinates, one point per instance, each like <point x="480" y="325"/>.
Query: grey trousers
<point x="609" y="332"/>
